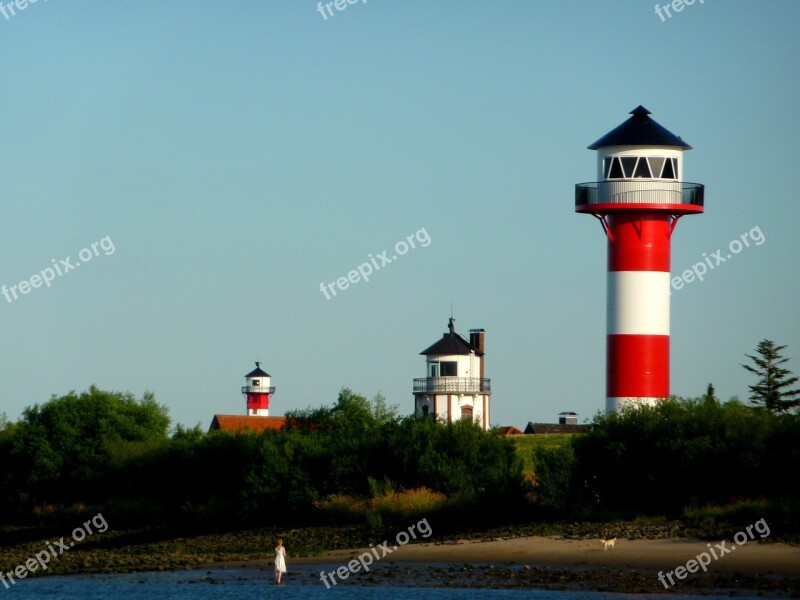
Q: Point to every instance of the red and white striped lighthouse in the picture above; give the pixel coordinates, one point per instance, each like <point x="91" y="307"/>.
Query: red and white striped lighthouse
<point x="258" y="391"/>
<point x="638" y="198"/>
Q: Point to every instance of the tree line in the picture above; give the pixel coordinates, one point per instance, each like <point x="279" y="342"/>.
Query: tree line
<point x="108" y="451"/>
<point x="113" y="452"/>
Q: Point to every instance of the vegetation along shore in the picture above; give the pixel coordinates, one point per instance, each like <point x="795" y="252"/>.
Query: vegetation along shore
<point x="504" y="511"/>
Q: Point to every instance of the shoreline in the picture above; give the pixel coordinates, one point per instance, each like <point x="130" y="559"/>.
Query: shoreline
<point x="535" y="562"/>
<point x="547" y="562"/>
<point x="661" y="554"/>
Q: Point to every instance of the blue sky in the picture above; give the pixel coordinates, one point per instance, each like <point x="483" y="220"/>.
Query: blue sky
<point x="238" y="154"/>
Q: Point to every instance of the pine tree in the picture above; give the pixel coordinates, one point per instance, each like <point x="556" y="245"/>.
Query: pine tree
<point x="771" y="390"/>
<point x="710" y="396"/>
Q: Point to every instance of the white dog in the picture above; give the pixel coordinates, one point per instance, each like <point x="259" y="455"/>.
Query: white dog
<point x="608" y="543"/>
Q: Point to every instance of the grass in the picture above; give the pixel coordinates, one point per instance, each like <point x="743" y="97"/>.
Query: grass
<point x="525" y="444"/>
<point x="724" y="521"/>
<point x="389" y="506"/>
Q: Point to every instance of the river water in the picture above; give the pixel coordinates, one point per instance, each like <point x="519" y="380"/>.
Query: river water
<point x="254" y="584"/>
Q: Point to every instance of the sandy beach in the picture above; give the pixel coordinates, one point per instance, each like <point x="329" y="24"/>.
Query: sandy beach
<point x="571" y="561"/>
<point x="751" y="558"/>
<point x="556" y="563"/>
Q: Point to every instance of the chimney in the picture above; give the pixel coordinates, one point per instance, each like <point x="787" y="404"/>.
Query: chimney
<point x="476" y="341"/>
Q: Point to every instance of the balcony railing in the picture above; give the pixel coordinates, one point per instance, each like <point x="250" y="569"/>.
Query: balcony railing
<point x="648" y="191"/>
<point x="452" y="384"/>
<point x="258" y="389"/>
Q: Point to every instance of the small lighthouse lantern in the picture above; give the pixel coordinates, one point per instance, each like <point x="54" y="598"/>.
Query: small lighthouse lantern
<point x="638" y="197"/>
<point x="258" y="391"/>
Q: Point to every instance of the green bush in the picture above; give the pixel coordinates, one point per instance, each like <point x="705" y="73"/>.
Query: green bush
<point x="677" y="454"/>
<point x="553" y="468"/>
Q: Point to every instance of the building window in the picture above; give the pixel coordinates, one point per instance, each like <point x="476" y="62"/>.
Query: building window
<point x="433" y="369"/>
<point x="656" y="164"/>
<point x="448" y="368"/>
<point x="256" y="382"/>
<point x="669" y="172"/>
<point x="642" y="170"/>
<point x="425" y="410"/>
<point x="607" y="166"/>
<point x="632" y="167"/>
<point x="628" y="164"/>
<point x="466" y="413"/>
<point x="615" y="170"/>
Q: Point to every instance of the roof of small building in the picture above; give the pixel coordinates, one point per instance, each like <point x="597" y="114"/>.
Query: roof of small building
<point x="509" y="430"/>
<point x="556" y="428"/>
<point x="640" y="130"/>
<point x="237" y="423"/>
<point x="258" y="372"/>
<point x="451" y="343"/>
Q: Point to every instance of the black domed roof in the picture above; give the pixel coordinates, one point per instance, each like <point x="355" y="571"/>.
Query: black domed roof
<point x="257" y="372"/>
<point x="640" y="130"/>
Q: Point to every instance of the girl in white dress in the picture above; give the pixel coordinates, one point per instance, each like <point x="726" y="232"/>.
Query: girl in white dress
<point x="280" y="561"/>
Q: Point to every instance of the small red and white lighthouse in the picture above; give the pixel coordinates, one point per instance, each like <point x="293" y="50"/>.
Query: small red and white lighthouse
<point x="258" y="391"/>
<point x="638" y="198"/>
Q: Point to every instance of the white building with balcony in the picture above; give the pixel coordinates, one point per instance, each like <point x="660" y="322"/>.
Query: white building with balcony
<point x="455" y="387"/>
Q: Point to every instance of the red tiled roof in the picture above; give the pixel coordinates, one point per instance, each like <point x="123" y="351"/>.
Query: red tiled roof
<point x="236" y="423"/>
<point x="510" y="430"/>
